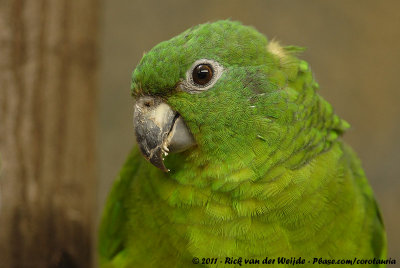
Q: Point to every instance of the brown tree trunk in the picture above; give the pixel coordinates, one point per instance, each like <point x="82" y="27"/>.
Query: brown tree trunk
<point x="47" y="116"/>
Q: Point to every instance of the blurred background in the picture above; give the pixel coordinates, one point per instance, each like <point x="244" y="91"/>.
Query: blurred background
<point x="353" y="48"/>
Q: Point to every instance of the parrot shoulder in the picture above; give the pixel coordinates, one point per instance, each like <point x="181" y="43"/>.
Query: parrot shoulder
<point x="112" y="228"/>
<point x="377" y="229"/>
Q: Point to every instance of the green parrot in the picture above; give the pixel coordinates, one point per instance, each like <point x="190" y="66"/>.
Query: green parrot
<point x="237" y="158"/>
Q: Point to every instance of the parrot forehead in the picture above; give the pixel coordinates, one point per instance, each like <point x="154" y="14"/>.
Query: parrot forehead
<point x="227" y="42"/>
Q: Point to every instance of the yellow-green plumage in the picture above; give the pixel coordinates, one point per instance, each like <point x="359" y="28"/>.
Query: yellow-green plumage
<point x="269" y="176"/>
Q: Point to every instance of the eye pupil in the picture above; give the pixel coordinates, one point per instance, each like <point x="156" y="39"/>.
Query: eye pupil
<point x="202" y="74"/>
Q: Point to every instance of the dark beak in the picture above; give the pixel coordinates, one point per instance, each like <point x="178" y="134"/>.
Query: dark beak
<point x="159" y="130"/>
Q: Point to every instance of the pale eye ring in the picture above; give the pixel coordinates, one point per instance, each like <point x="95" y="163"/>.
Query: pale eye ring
<point x="202" y="75"/>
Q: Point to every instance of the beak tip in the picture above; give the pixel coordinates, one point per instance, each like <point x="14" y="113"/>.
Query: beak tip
<point x="155" y="158"/>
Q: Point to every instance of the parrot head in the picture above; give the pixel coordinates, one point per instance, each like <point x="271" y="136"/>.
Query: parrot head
<point x="220" y="94"/>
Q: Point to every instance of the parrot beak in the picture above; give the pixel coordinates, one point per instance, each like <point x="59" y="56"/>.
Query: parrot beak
<point x="159" y="130"/>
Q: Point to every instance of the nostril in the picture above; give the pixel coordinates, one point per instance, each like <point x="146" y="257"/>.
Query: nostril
<point x="147" y="103"/>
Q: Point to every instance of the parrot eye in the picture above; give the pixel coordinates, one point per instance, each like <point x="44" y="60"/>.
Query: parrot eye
<point x="202" y="76"/>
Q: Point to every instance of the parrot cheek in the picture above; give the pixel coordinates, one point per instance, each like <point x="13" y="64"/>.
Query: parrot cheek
<point x="159" y="130"/>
